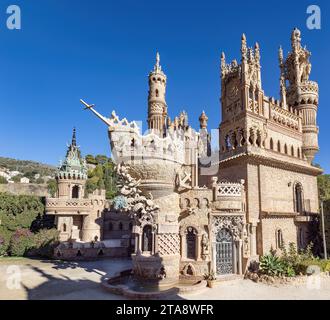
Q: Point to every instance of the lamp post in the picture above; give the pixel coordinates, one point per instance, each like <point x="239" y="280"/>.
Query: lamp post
<point x="323" y="233"/>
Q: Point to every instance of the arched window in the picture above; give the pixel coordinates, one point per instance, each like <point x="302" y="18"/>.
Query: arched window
<point x="157" y="93"/>
<point x="279" y="239"/>
<point x="191" y="243"/>
<point x="271" y="144"/>
<point x="292" y="151"/>
<point x="279" y="146"/>
<point x="298" y="194"/>
<point x="75" y="192"/>
<point x="285" y="149"/>
<point x="298" y="153"/>
<point x="251" y="92"/>
<point x="147" y="238"/>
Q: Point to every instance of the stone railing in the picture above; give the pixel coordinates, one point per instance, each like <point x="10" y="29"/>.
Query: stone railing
<point x="228" y="196"/>
<point x="284" y="117"/>
<point x="309" y="87"/>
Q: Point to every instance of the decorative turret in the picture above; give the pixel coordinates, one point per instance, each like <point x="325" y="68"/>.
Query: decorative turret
<point x="72" y="172"/>
<point x="157" y="107"/>
<point x="302" y="94"/>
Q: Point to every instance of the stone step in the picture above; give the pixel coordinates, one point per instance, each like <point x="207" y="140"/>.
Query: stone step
<point x="229" y="277"/>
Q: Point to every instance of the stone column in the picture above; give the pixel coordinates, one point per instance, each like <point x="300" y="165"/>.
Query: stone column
<point x="235" y="245"/>
<point x="240" y="245"/>
<point x="253" y="240"/>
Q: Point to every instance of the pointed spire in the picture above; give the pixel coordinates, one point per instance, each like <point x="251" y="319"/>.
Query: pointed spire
<point x="243" y="48"/>
<point x="280" y="55"/>
<point x="74" y="139"/>
<point x="157" y="65"/>
<point x="257" y="52"/>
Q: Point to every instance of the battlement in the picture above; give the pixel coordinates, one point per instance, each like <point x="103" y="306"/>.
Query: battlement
<point x="127" y="142"/>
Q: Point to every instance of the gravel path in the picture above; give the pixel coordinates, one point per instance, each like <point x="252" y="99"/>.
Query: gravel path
<point x="37" y="279"/>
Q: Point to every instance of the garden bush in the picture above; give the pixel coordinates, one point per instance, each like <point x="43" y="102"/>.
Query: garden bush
<point x="45" y="241"/>
<point x="21" y="242"/>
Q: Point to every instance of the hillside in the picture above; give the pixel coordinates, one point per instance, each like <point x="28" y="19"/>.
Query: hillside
<point x="27" y="167"/>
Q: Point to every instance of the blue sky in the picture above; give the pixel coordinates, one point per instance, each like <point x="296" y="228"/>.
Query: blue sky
<point x="103" y="50"/>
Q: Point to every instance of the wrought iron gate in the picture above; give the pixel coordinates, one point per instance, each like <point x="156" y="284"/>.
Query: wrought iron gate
<point x="224" y="252"/>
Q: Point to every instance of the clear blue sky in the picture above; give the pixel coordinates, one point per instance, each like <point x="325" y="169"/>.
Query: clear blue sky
<point x="103" y="50"/>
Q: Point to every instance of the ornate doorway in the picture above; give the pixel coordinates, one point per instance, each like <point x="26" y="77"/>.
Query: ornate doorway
<point x="224" y="252"/>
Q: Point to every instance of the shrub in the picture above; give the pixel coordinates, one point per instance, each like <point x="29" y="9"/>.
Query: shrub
<point x="45" y="241"/>
<point x="271" y="265"/>
<point x="3" y="248"/>
<point x="3" y="180"/>
<point x="21" y="242"/>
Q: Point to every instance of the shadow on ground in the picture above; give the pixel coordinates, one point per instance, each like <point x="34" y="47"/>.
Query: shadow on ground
<point x="70" y="280"/>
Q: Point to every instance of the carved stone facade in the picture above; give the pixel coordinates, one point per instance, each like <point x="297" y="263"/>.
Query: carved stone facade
<point x="186" y="211"/>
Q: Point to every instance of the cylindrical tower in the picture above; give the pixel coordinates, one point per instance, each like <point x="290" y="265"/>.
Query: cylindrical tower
<point x="302" y="93"/>
<point x="157" y="108"/>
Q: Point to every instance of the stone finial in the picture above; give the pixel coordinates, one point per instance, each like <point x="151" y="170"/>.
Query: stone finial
<point x="257" y="52"/>
<point x="243" y="47"/>
<point x="223" y="62"/>
<point x="157" y="65"/>
<point x="203" y="120"/>
<point x="280" y="55"/>
<point x="74" y="139"/>
<point x="296" y="39"/>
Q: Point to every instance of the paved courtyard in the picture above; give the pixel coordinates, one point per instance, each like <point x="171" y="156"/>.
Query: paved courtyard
<point x="81" y="280"/>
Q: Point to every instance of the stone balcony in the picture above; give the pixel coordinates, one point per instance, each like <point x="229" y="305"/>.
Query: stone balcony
<point x="74" y="206"/>
<point x="228" y="196"/>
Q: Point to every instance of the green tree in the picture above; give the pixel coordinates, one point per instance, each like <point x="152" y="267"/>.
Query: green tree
<point x="90" y="159"/>
<point x="3" y="180"/>
<point x="101" y="159"/>
<point x="17" y="179"/>
<point x="323" y="182"/>
<point x="52" y="187"/>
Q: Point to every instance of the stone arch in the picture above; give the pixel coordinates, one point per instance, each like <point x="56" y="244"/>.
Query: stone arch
<point x="279" y="146"/>
<point x="189" y="270"/>
<point x="271" y="144"/>
<point x="196" y="203"/>
<point x="75" y="192"/>
<point x="191" y="243"/>
<point x="147" y="238"/>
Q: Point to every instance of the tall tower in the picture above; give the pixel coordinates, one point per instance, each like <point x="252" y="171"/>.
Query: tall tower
<point x="302" y="94"/>
<point x="157" y="108"/>
<point x="72" y="174"/>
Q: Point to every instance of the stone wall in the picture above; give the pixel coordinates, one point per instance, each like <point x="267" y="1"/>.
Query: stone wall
<point x="32" y="189"/>
<point x="277" y="190"/>
<point x="269" y="228"/>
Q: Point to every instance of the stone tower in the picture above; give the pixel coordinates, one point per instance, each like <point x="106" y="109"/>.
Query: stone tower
<point x="77" y="217"/>
<point x="301" y="94"/>
<point x="265" y="140"/>
<point x="72" y="174"/>
<point x="157" y="108"/>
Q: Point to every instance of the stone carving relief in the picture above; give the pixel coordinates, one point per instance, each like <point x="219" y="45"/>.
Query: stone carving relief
<point x="131" y="200"/>
<point x="234" y="224"/>
<point x="183" y="179"/>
